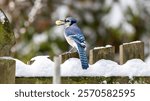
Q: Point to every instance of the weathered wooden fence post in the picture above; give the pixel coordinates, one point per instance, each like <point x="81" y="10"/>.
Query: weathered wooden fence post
<point x="57" y="76"/>
<point x="7" y="40"/>
<point x="7" y="71"/>
<point x="66" y="56"/>
<point x="131" y="50"/>
<point x="98" y="53"/>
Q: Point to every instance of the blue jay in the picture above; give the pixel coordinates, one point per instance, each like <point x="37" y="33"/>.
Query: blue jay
<point x="75" y="38"/>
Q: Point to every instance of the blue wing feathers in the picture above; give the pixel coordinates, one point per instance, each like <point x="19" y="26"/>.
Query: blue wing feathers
<point x="78" y="40"/>
<point x="76" y="34"/>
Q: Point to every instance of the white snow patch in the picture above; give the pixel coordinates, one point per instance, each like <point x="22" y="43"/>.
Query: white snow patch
<point x="2" y="17"/>
<point x="135" y="67"/>
<point x="99" y="47"/>
<point x="129" y="3"/>
<point x="108" y="46"/>
<point x="43" y="67"/>
<point x="57" y="32"/>
<point x="103" y="68"/>
<point x="132" y="42"/>
<point x="115" y="17"/>
<point x="72" y="67"/>
<point x="60" y="12"/>
<point x="128" y="28"/>
<point x="136" y="42"/>
<point x="125" y="43"/>
<point x="40" y="38"/>
<point x="104" y="82"/>
<point x="147" y="60"/>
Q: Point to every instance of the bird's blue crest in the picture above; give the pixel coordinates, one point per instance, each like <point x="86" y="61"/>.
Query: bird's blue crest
<point x="70" y="19"/>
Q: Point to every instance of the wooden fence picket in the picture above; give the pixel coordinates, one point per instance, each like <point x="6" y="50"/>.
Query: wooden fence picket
<point x="131" y="50"/>
<point x="98" y="53"/>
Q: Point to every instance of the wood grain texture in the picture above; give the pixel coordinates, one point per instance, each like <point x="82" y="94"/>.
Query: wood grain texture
<point x="133" y="50"/>
<point x="107" y="53"/>
<point x="7" y="71"/>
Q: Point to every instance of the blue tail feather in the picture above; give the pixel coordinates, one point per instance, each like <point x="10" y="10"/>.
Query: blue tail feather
<point x="83" y="57"/>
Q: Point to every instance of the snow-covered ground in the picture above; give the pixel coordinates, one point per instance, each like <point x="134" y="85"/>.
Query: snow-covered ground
<point x="43" y="66"/>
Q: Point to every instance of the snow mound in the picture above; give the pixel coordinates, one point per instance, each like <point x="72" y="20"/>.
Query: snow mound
<point x="42" y="66"/>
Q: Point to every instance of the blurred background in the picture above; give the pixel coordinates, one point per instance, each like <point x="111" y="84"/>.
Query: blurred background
<point x="102" y="21"/>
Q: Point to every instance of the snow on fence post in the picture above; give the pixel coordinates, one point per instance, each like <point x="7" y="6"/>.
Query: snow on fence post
<point x="107" y="52"/>
<point x="66" y="56"/>
<point x="7" y="40"/>
<point x="56" y="76"/>
<point x="131" y="50"/>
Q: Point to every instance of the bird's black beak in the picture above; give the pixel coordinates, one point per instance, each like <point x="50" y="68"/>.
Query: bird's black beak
<point x="60" y="22"/>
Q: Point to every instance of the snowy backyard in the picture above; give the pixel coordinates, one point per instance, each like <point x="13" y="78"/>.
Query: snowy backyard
<point x="34" y="37"/>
